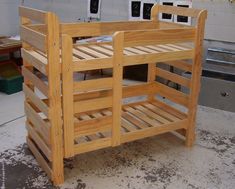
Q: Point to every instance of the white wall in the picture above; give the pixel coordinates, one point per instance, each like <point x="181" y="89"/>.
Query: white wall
<point x="220" y="23"/>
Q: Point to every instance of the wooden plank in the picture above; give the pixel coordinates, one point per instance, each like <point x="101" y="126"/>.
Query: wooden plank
<point x="94" y="84"/>
<point x="95" y="125"/>
<point x="157" y="48"/>
<point x="177" y="46"/>
<point x="81" y="54"/>
<point x="39" y="141"/>
<point x="34" y="38"/>
<point x="128" y="126"/>
<point x="67" y="91"/>
<point x="92" y="52"/>
<point x="153" y="37"/>
<point x="104" y="28"/>
<point x="173" y="77"/>
<point x="93" y="145"/>
<point x="169" y="109"/>
<point x="102" y="50"/>
<point x="95" y="64"/>
<point x="132" y="119"/>
<point x="141" y="116"/>
<point x="40" y="159"/>
<point x="36" y="100"/>
<point x="137" y="90"/>
<point x="40" y="125"/>
<point x="144" y="48"/>
<point x="136" y="51"/>
<point x="152" y="114"/>
<point x="181" y="65"/>
<point x="35" y="59"/>
<point x="93" y="104"/>
<point x="172" y="94"/>
<point x="36" y="81"/>
<point x="169" y="48"/>
<point x="157" y="57"/>
<point x="117" y="87"/>
<point x="152" y="131"/>
<point x="161" y="112"/>
<point x="33" y="14"/>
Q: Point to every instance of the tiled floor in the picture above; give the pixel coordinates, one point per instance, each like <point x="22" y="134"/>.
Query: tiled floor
<point x="157" y="162"/>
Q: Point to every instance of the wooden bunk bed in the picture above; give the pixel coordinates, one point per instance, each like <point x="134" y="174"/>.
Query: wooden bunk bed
<point x="70" y="117"/>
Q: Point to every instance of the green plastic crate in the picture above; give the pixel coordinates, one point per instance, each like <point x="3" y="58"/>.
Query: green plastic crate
<point x="10" y="78"/>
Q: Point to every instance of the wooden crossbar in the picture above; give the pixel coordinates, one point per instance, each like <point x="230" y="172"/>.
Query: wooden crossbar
<point x="33" y="14"/>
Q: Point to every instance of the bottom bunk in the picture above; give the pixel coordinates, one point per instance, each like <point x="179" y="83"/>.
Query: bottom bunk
<point x="139" y="120"/>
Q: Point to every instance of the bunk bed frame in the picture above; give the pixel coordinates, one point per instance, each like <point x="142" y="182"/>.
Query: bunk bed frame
<point x="70" y="117"/>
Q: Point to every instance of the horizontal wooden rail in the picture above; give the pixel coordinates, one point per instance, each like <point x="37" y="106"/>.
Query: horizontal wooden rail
<point x="172" y="94"/>
<point x="35" y="59"/>
<point x="154" y="37"/>
<point x="158" y="57"/>
<point x="93" y="104"/>
<point x="88" y="127"/>
<point x="33" y="14"/>
<point x="35" y="80"/>
<point x="34" y="38"/>
<point x="182" y="65"/>
<point x="95" y="64"/>
<point x="38" y="140"/>
<point x="36" y="100"/>
<point x="94" y="84"/>
<point x="93" y="145"/>
<point x="104" y="28"/>
<point x="173" y="77"/>
<point x="40" y="125"/>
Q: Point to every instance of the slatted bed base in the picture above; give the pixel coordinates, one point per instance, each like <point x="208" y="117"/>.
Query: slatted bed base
<point x="139" y="120"/>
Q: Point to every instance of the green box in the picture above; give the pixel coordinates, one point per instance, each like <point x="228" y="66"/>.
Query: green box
<point x="10" y="78"/>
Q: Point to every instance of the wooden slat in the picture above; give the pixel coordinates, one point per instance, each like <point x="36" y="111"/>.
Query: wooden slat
<point x="152" y="114"/>
<point x="93" y="104"/>
<point x="190" y="12"/>
<point x="135" y="121"/>
<point x="34" y="38"/>
<point x="169" y="109"/>
<point x="33" y="14"/>
<point x="157" y="48"/>
<point x="102" y="50"/>
<point x="177" y="47"/>
<point x="152" y="131"/>
<point x="93" y="145"/>
<point x="35" y="59"/>
<point x="161" y="112"/>
<point x="40" y="125"/>
<point x="95" y="125"/>
<point x="165" y="46"/>
<point x="82" y="55"/>
<point x="144" y="48"/>
<point x="92" y="52"/>
<point x="40" y="159"/>
<point x="173" y="77"/>
<point x="137" y="90"/>
<point x="157" y="57"/>
<point x="35" y="80"/>
<point x="94" y="84"/>
<point x="181" y="65"/>
<point x="36" y="100"/>
<point x="163" y="36"/>
<point x="128" y="126"/>
<point x="134" y="50"/>
<point x="37" y="139"/>
<point x="95" y="64"/>
<point x="141" y="116"/>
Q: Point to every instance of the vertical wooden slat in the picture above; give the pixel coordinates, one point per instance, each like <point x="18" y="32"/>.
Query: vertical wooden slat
<point x="195" y="81"/>
<point x="117" y="87"/>
<point x="55" y="98"/>
<point x="68" y="111"/>
<point x="151" y="78"/>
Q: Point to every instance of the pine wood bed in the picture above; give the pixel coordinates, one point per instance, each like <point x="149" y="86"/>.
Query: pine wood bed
<point x="73" y="117"/>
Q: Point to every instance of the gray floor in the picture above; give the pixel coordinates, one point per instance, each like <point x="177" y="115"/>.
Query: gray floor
<point x="157" y="162"/>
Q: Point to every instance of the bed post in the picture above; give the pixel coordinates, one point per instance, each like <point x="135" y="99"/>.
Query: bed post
<point x="196" y="76"/>
<point x="117" y="87"/>
<point x="55" y="112"/>
<point x="152" y="66"/>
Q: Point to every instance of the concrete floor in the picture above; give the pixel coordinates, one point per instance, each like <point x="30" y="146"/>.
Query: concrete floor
<point x="157" y="162"/>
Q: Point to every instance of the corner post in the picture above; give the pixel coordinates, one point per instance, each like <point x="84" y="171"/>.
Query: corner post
<point x="118" y="42"/>
<point x="196" y="76"/>
<point x="54" y="83"/>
